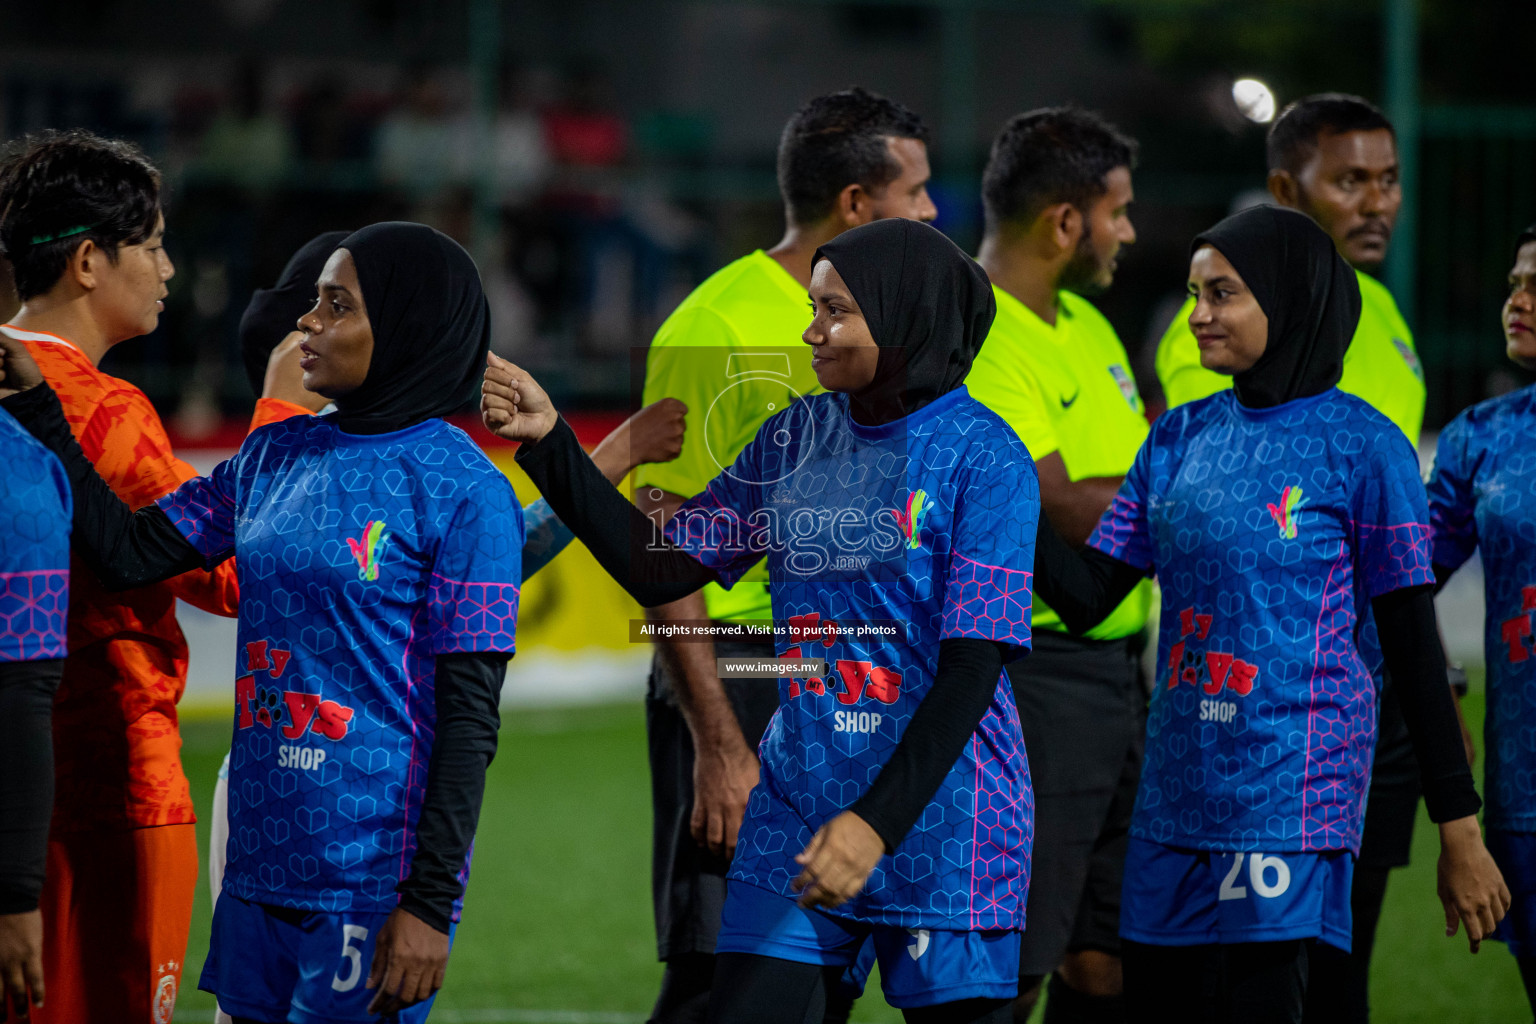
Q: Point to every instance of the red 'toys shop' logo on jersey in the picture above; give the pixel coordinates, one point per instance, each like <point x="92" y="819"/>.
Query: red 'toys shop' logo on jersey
<point x="294" y="712"/>
<point x="860" y="678"/>
<point x="1209" y="670"/>
<point x="1516" y="632"/>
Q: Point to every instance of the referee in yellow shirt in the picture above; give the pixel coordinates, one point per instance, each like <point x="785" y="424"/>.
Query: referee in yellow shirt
<point x="731" y="352"/>
<point x="1056" y="190"/>
<point x="1334" y="158"/>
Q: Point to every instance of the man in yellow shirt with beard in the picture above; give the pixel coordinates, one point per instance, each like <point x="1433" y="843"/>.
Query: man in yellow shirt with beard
<point x="1057" y="189"/>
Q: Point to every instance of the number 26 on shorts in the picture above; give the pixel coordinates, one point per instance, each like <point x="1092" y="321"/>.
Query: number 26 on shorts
<point x="351" y="971"/>
<point x="1261" y="869"/>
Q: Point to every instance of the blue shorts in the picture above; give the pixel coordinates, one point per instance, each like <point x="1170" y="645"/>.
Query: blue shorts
<point x="1174" y="897"/>
<point x="298" y="966"/>
<point x="1515" y="854"/>
<point x="918" y="966"/>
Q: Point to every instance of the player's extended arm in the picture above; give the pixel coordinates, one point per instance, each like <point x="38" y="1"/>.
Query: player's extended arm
<point x="26" y="803"/>
<point x="1073" y="506"/>
<point x="128" y="446"/>
<point x="126" y="549"/>
<point x="654" y="434"/>
<point x="1082" y="586"/>
<point x="725" y="767"/>
<point x="618" y="534"/>
<point x="1470" y="885"/>
<point x="840" y="856"/>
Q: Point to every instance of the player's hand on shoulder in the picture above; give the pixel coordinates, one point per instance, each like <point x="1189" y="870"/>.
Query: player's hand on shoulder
<point x="18" y="370"/>
<point x="410" y="958"/>
<point x="285" y="377"/>
<point x="837" y="861"/>
<point x="1470" y="885"/>
<point x="21" y="962"/>
<point x="654" y="434"/>
<point x="512" y="404"/>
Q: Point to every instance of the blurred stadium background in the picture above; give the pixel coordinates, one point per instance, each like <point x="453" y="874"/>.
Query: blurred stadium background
<point x="601" y="157"/>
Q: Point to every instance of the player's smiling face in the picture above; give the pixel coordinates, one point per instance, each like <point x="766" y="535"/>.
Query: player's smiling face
<point x="339" y="345"/>
<point x="130" y="290"/>
<point x="844" y="353"/>
<point x="1520" y="309"/>
<point x="1227" y="321"/>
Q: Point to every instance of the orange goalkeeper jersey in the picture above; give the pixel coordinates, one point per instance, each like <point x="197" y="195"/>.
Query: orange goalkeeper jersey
<point x="117" y="751"/>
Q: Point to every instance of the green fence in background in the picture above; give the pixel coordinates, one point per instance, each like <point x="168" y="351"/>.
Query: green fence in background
<point x="1476" y="191"/>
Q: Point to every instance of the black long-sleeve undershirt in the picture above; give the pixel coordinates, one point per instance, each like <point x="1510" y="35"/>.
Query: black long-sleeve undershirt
<point x="26" y="778"/>
<point x="1085" y="587"/>
<point x="126" y="549"/>
<point x="934" y="739"/>
<point x="132" y="549"/>
<point x="468" y="696"/>
<point x="617" y="533"/>
<point x="620" y="537"/>
<point x="1081" y="586"/>
<point x="1410" y="645"/>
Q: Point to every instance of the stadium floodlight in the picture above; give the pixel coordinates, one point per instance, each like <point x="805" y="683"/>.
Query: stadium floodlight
<point x="1254" y="99"/>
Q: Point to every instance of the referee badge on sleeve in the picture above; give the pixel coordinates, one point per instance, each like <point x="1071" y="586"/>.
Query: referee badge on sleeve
<point x="1127" y="384"/>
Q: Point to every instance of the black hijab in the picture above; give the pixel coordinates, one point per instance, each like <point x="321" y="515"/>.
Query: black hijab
<point x="928" y="305"/>
<point x="273" y="313"/>
<point x="1528" y="235"/>
<point x="1307" y="290"/>
<point x="431" y="327"/>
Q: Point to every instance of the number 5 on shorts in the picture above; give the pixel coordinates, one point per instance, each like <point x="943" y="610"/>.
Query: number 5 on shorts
<point x="1258" y="864"/>
<point x="352" y="957"/>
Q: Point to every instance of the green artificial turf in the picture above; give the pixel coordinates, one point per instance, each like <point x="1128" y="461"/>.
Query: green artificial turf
<point x="558" y="924"/>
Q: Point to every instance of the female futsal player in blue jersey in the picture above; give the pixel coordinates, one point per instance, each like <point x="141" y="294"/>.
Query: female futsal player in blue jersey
<point x="894" y="800"/>
<point x="379" y="568"/>
<point x="1278" y="517"/>
<point x="1482" y="497"/>
<point x="269" y="340"/>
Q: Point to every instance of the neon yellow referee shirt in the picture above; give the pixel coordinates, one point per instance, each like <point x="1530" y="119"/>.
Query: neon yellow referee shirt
<point x="732" y="353"/>
<point x="1066" y="389"/>
<point x="1381" y="365"/>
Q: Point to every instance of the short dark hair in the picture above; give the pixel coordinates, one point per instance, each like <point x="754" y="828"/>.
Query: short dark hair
<point x="58" y="188"/>
<point x="839" y="140"/>
<point x="1293" y="137"/>
<point x="1048" y="156"/>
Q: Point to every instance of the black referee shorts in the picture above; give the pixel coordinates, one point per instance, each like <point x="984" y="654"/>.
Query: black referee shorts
<point x="687" y="881"/>
<point x="1083" y="710"/>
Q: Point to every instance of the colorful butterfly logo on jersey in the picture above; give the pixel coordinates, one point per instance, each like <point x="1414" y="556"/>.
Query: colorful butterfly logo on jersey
<point x="1284" y="514"/>
<point x="911" y="519"/>
<point x="368" y="550"/>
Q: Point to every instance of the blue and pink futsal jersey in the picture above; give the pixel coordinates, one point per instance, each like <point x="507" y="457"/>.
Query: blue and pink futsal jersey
<point x="1269" y="530"/>
<point x="360" y="559"/>
<point x="927" y="524"/>
<point x="35" y="510"/>
<point x="1482" y="495"/>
